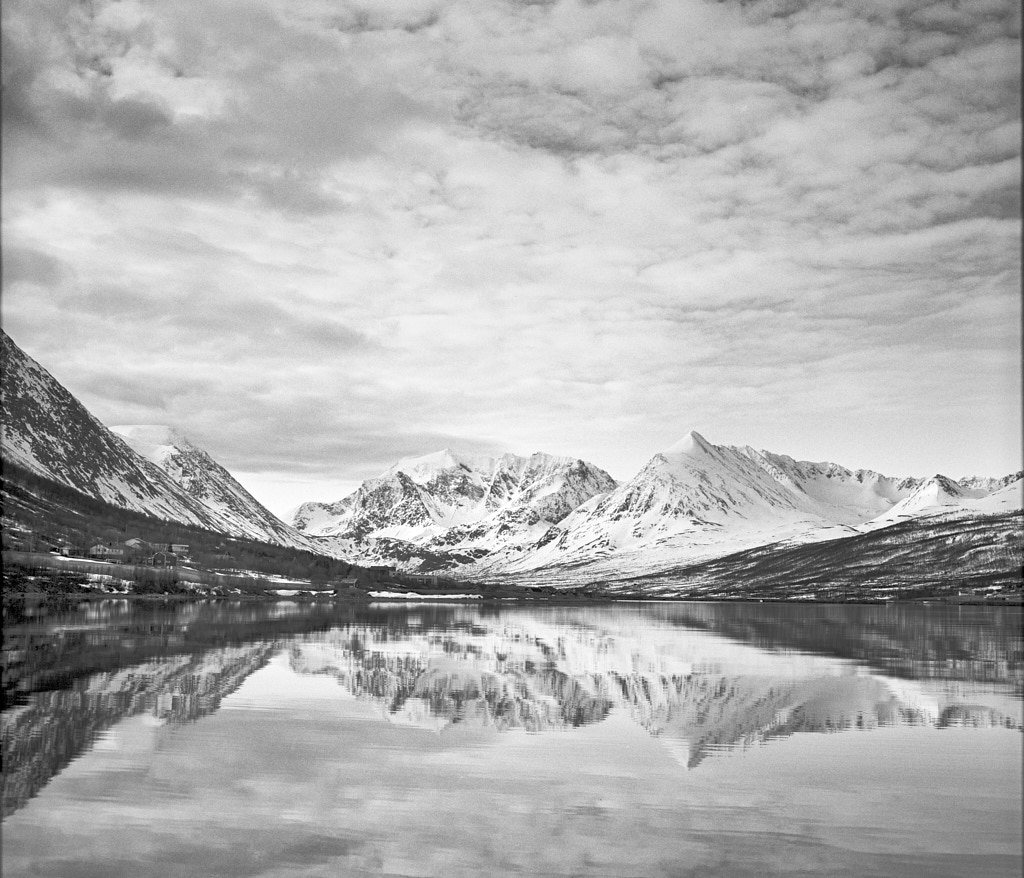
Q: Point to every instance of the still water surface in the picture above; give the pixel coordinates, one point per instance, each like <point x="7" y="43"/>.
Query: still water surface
<point x="467" y="740"/>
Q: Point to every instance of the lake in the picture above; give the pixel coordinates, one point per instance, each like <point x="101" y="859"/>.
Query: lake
<point x="618" y="739"/>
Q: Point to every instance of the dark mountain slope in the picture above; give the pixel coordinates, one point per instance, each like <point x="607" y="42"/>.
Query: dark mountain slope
<point x="46" y="430"/>
<point x="939" y="555"/>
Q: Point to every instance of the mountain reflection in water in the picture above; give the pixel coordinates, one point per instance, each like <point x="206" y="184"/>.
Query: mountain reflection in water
<point x="706" y="678"/>
<point x="538" y="671"/>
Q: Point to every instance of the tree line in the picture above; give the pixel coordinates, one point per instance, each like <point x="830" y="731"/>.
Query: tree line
<point x="55" y="513"/>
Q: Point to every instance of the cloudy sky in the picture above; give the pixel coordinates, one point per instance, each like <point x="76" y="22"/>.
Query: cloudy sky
<point x="319" y="236"/>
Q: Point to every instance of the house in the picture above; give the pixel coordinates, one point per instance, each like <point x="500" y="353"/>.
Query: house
<point x="422" y="578"/>
<point x="164" y="559"/>
<point x="344" y="585"/>
<point x="178" y="548"/>
<point x="61" y="545"/>
<point x="136" y="549"/>
<point x="102" y="551"/>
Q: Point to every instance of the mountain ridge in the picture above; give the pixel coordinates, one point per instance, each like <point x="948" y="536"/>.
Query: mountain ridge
<point x="692" y="501"/>
<point x="445" y="503"/>
<point x="49" y="432"/>
<point x="484" y="517"/>
<point x="201" y="477"/>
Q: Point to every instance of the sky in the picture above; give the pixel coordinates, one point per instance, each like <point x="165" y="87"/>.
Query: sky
<point x="317" y="236"/>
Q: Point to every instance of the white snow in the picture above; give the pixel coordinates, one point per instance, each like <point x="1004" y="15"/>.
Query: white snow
<point x="421" y="469"/>
<point x="155" y="442"/>
<point x="1005" y="499"/>
<point x="188" y="466"/>
<point x="416" y="596"/>
<point x="692" y="445"/>
<point x="693" y="501"/>
<point x="933" y="499"/>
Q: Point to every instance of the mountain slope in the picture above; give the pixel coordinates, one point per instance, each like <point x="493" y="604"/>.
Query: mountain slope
<point x="444" y="509"/>
<point x="49" y="432"/>
<point x="697" y="501"/>
<point x="539" y="516"/>
<point x="488" y="518"/>
<point x="202" y="478"/>
<point x="693" y="499"/>
<point x="940" y="494"/>
<point x="936" y="492"/>
<point x="935" y="555"/>
<point x="850" y="496"/>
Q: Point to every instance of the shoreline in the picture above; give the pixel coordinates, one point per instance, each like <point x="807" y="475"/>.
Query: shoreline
<point x="1007" y="600"/>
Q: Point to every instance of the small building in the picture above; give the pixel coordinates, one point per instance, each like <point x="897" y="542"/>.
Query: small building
<point x="178" y="548"/>
<point x="104" y="551"/>
<point x="136" y="544"/>
<point x="164" y="559"/>
<point x="342" y="586"/>
<point x="422" y="578"/>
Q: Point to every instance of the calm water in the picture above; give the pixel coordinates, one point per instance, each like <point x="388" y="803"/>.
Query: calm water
<point x="615" y="740"/>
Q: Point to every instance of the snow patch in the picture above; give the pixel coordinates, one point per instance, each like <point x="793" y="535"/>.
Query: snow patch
<point x="416" y="596"/>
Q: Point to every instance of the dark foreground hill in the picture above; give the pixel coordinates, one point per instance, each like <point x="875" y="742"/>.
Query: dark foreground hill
<point x="39" y="514"/>
<point x="940" y="556"/>
<point x="51" y="514"/>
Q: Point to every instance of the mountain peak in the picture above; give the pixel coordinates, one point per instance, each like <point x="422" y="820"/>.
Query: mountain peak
<point x="150" y="434"/>
<point x="437" y="458"/>
<point x="943" y="484"/>
<point x="155" y="442"/>
<point x="692" y="444"/>
<point x="144" y="468"/>
<point x="427" y="465"/>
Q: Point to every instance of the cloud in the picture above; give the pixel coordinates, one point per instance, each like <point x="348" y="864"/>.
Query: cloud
<point x="110" y="109"/>
<point x="24" y="265"/>
<point x="353" y="231"/>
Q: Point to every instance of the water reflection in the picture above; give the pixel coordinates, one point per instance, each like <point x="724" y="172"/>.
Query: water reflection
<point x="440" y="680"/>
<point x="706" y="679"/>
<point x="41" y="737"/>
<point x="543" y="671"/>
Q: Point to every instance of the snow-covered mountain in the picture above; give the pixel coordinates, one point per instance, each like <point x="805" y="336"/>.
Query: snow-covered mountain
<point x="46" y="430"/>
<point x="851" y="496"/>
<point x="446" y="509"/>
<point x="693" y="494"/>
<point x="49" y="432"/>
<point x="202" y="478"/>
<point x="939" y="494"/>
<point x="696" y="501"/>
<point x="483" y="517"/>
<point x="693" y="501"/>
<point x="934" y="492"/>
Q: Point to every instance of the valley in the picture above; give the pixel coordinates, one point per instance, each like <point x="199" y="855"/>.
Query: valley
<point x="698" y="521"/>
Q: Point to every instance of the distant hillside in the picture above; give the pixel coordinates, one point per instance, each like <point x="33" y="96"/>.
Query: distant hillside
<point x="201" y="477"/>
<point x="978" y="555"/>
<point x="46" y="430"/>
<point x="697" y="510"/>
<point x="57" y="513"/>
<point x="545" y="518"/>
<point x="445" y="509"/>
